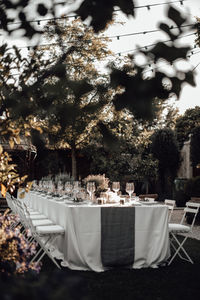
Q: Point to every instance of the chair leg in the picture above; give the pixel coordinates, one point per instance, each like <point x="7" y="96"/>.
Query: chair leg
<point x="45" y="251"/>
<point x="175" y="248"/>
<point x="41" y="248"/>
<point x="180" y="247"/>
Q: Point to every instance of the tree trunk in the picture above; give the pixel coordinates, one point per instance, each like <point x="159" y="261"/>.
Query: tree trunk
<point x="146" y="187"/>
<point x="74" y="167"/>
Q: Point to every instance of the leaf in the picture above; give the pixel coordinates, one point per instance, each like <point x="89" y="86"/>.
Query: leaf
<point x="170" y="53"/>
<point x="101" y="12"/>
<point x="22" y="195"/>
<point x="3" y="190"/>
<point x="164" y="27"/>
<point x="42" y="10"/>
<point x="11" y="143"/>
<point x="189" y="78"/>
<point x="17" y="140"/>
<point x="175" y="16"/>
<point x="109" y="139"/>
<point x="1" y="149"/>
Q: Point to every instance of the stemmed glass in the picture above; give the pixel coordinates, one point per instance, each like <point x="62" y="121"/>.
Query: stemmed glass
<point x="76" y="189"/>
<point x="91" y="189"/>
<point x="116" y="186"/>
<point x="60" y="188"/>
<point x="68" y="188"/>
<point x="130" y="188"/>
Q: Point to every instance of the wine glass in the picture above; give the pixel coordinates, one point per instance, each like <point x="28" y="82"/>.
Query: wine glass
<point x="60" y="188"/>
<point x="91" y="189"/>
<point x="76" y="188"/>
<point x="68" y="188"/>
<point x="116" y="186"/>
<point x="130" y="188"/>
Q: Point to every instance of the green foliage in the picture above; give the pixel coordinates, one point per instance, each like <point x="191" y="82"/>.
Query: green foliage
<point x="198" y="31"/>
<point x="101" y="12"/>
<point x="9" y="178"/>
<point x="186" y="123"/>
<point x="192" y="187"/>
<point x="164" y="148"/>
<point x="15" y="252"/>
<point x="179" y="194"/>
<point x="195" y="147"/>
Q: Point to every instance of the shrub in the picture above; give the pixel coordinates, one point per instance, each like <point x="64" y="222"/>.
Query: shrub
<point x="179" y="191"/>
<point x="15" y="252"/>
<point x="192" y="187"/>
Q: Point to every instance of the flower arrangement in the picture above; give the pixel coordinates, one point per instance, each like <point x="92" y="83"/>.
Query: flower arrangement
<point x="101" y="183"/>
<point x="15" y="252"/>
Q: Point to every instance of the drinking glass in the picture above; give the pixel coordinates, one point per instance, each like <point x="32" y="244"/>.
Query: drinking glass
<point x="91" y="189"/>
<point x="60" y="188"/>
<point x="130" y="188"/>
<point x="76" y="188"/>
<point x="68" y="188"/>
<point x="104" y="196"/>
<point x="116" y="186"/>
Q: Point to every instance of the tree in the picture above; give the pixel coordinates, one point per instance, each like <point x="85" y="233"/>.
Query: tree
<point x="186" y="123"/>
<point x="195" y="147"/>
<point x="164" y="148"/>
<point x="139" y="92"/>
<point x="74" y="111"/>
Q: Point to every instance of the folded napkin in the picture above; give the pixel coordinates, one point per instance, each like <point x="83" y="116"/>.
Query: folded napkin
<point x="117" y="236"/>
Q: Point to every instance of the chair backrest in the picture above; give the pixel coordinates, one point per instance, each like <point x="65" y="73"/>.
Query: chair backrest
<point x="192" y="208"/>
<point x="171" y="204"/>
<point x="143" y="196"/>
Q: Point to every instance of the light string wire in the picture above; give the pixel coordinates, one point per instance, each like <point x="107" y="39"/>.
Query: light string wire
<point x="117" y="36"/>
<point x="148" y="6"/>
<point x="168" y="64"/>
<point x="154" y="44"/>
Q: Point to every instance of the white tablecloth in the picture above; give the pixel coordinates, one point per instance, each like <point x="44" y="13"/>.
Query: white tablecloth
<point x="81" y="244"/>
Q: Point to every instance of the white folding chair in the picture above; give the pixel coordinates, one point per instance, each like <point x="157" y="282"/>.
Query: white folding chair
<point x="44" y="235"/>
<point x="171" y="204"/>
<point x="176" y="229"/>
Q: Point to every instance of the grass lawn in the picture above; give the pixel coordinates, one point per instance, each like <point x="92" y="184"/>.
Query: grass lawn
<point x="181" y="280"/>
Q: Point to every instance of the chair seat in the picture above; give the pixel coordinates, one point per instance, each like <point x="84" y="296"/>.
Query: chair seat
<point x="42" y="222"/>
<point x="173" y="227"/>
<point x="32" y="213"/>
<point x="52" y="229"/>
<point x="38" y="217"/>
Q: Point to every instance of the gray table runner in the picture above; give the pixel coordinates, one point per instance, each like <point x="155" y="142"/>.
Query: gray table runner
<point x="117" y="236"/>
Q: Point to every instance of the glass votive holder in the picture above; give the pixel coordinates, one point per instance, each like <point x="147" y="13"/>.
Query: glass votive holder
<point x="122" y="201"/>
<point x="104" y="197"/>
<point x="99" y="201"/>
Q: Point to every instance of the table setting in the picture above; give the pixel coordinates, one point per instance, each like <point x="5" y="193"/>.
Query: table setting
<point x="105" y="231"/>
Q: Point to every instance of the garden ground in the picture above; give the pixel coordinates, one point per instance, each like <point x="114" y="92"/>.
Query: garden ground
<point x="177" y="281"/>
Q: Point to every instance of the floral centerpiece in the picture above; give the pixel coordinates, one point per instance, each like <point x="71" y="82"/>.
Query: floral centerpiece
<point x="101" y="183"/>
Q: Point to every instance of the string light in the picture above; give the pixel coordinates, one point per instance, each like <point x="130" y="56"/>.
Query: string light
<point x="146" y="47"/>
<point x="115" y="10"/>
<point x="118" y="37"/>
<point x="169" y="63"/>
